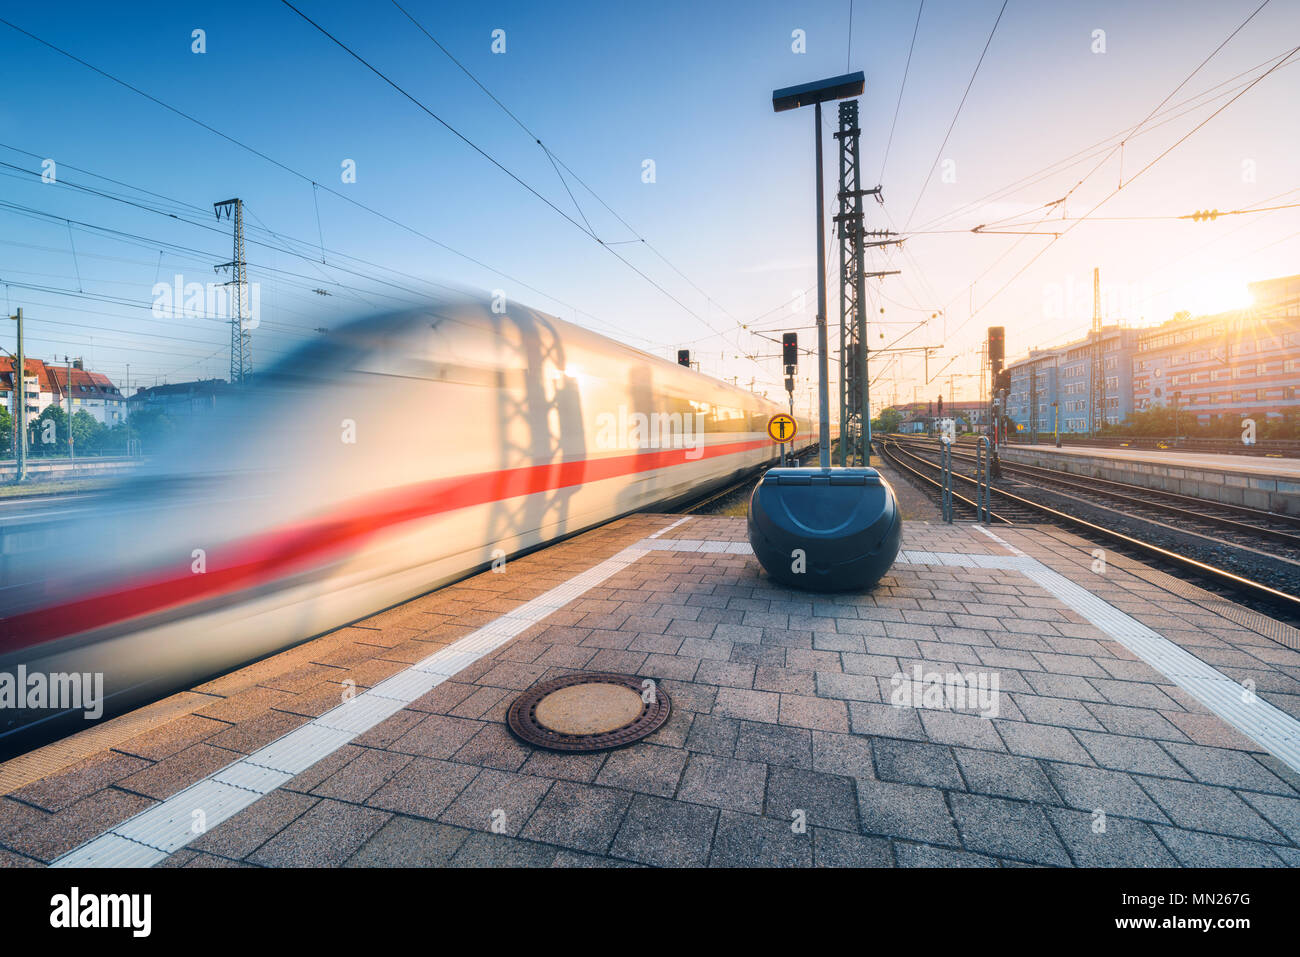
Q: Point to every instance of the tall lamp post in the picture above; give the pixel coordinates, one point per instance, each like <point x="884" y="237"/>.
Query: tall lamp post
<point x="792" y="97"/>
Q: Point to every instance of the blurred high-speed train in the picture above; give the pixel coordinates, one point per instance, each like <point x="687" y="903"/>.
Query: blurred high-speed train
<point x="391" y="457"/>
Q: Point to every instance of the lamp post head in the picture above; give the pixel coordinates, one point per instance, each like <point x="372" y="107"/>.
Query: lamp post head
<point x="805" y="94"/>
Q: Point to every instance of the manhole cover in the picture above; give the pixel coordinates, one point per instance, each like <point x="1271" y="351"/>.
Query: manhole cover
<point x="589" y="712"/>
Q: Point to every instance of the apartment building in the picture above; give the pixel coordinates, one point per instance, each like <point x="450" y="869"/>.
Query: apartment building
<point x="1056" y="384"/>
<point x="1243" y="363"/>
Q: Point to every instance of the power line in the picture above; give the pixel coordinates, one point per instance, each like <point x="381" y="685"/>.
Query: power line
<point x="491" y="159"/>
<point x="979" y="63"/>
<point x="902" y="86"/>
<point x="1116" y="191"/>
<point x="288" y="169"/>
<point x="1088" y="151"/>
<point x="848" y="53"/>
<point x="1167" y="98"/>
<point x="559" y="165"/>
<point x="280" y="241"/>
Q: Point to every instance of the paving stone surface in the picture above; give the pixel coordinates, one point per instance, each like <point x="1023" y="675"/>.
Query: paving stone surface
<point x="788" y="744"/>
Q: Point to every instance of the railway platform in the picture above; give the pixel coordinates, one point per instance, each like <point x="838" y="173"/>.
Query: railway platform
<point x="1004" y="698"/>
<point x="1254" y="481"/>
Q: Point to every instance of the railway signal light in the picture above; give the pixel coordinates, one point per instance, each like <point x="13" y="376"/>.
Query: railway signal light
<point x="997" y="347"/>
<point x="790" y="350"/>
<point x="684" y="357"/>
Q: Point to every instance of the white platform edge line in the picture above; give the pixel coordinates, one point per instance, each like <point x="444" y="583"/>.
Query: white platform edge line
<point x="669" y="528"/>
<point x="1268" y="726"/>
<point x="171" y="818"/>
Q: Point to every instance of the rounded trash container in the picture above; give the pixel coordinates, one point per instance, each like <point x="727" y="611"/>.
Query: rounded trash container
<point x="832" y="529"/>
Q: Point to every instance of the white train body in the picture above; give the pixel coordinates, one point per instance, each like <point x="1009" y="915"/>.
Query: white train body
<point x="391" y="458"/>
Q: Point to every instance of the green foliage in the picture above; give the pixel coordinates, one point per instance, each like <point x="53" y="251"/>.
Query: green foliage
<point x="887" y="421"/>
<point x="44" y="440"/>
<point x="87" y="432"/>
<point x="1158" y="421"/>
<point x="151" y="428"/>
<point x="1164" y="422"/>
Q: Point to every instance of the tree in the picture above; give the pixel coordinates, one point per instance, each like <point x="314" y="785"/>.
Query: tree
<point x="888" y="421"/>
<point x="6" y="432"/>
<point x="49" y="432"/>
<point x="87" y="432"/>
<point x="151" y="428"/>
<point x="1284" y="426"/>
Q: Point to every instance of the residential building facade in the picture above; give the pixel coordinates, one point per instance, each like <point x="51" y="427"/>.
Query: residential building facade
<point x="182" y="398"/>
<point x="1035" y="391"/>
<point x="919" y="417"/>
<point x="48" y="384"/>
<point x="1243" y="363"/>
<point x="1062" y="380"/>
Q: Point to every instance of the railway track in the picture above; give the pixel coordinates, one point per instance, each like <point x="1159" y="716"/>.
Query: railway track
<point x="1225" y="552"/>
<point x="723" y="500"/>
<point x="1242" y="520"/>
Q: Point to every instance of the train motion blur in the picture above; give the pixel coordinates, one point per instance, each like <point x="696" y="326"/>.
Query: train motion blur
<point x="393" y="456"/>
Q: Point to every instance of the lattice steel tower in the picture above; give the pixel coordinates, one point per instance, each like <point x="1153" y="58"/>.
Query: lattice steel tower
<point x="854" y="407"/>
<point x="241" y="341"/>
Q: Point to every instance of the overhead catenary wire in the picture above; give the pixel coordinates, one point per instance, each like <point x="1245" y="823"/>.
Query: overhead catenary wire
<point x="288" y="169"/>
<point x="1116" y="191"/>
<point x="491" y="159"/>
<point x="561" y="168"/>
<point x="953" y="124"/>
<point x="1097" y="148"/>
<point x="901" y="87"/>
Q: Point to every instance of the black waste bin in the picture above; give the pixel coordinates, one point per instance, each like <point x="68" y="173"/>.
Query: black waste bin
<point x="832" y="529"/>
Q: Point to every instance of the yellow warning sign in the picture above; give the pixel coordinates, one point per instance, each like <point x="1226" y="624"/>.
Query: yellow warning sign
<point x="781" y="428"/>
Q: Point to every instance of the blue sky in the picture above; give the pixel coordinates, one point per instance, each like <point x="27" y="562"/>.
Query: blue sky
<point x="607" y="86"/>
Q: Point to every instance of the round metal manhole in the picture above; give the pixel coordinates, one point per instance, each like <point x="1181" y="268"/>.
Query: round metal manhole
<point x="589" y="712"/>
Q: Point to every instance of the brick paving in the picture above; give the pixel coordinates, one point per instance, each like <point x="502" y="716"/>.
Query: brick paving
<point x="783" y="748"/>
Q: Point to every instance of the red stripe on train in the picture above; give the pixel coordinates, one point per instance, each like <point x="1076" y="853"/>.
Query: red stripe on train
<point x="297" y="547"/>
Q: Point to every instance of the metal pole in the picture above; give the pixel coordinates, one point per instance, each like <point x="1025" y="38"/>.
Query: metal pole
<point x="793" y="458"/>
<point x="127" y="411"/>
<point x="823" y="373"/>
<point x="983" y="493"/>
<point x="21" y="449"/>
<point x="945" y="459"/>
<point x="862" y="373"/>
<point x="68" y="365"/>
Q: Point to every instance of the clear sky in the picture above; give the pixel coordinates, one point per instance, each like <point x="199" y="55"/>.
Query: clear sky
<point x="607" y="87"/>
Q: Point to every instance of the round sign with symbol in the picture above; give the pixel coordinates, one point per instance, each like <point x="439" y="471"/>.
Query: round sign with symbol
<point x="781" y="428"/>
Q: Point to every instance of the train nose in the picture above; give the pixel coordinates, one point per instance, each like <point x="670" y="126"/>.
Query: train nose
<point x="825" y="529"/>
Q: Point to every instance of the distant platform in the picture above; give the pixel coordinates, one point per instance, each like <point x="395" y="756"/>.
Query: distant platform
<point x="1245" y="464"/>
<point x="1254" y="481"/>
<point x="995" y="701"/>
